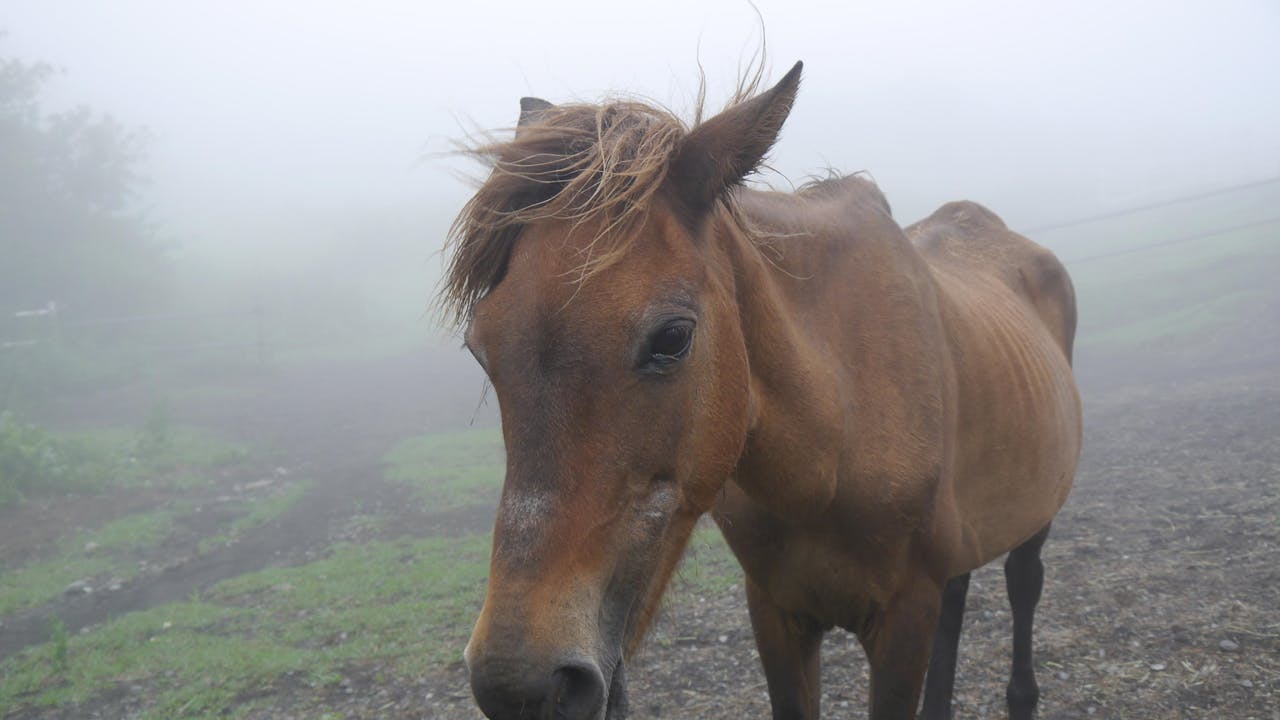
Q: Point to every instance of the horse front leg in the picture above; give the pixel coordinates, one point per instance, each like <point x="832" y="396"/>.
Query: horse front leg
<point x="898" y="643"/>
<point x="790" y="650"/>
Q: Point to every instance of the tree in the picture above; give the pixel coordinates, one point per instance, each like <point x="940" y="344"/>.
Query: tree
<point x="70" y="229"/>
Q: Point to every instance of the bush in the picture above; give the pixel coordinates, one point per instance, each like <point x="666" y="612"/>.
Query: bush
<point x="34" y="461"/>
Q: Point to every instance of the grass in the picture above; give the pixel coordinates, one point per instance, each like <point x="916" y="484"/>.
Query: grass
<point x="709" y="567"/>
<point x="1179" y="295"/>
<point x="260" y="511"/>
<point x="86" y="555"/>
<point x="450" y="470"/>
<point x="37" y="461"/>
<point x="176" y="457"/>
<point x="406" y="602"/>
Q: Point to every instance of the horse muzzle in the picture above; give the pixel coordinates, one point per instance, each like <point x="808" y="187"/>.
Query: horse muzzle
<point x="574" y="689"/>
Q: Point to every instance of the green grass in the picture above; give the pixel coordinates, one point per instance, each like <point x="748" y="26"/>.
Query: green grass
<point x="709" y="567"/>
<point x="408" y="602"/>
<point x="179" y="457"/>
<point x="259" y="511"/>
<point x="450" y="470"/>
<point x="37" y="461"/>
<point x="399" y="606"/>
<point x="1179" y="294"/>
<point x="111" y="549"/>
<point x="106" y="550"/>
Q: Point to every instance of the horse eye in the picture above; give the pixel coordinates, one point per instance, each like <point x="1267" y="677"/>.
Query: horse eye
<point x="671" y="342"/>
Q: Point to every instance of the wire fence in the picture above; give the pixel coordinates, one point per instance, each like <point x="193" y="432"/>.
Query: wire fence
<point x="1168" y="202"/>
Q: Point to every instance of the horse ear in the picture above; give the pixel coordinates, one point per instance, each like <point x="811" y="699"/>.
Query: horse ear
<point x="718" y="154"/>
<point x="531" y="109"/>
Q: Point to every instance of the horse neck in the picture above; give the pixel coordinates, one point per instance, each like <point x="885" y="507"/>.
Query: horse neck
<point x="838" y="311"/>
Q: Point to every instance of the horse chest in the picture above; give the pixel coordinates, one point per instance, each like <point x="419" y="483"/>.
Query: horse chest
<point x="827" y="573"/>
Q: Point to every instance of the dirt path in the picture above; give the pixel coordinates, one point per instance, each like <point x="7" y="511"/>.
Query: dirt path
<point x="329" y="424"/>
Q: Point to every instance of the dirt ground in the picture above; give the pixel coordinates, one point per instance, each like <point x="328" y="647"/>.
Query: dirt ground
<point x="1162" y="573"/>
<point x="1162" y="594"/>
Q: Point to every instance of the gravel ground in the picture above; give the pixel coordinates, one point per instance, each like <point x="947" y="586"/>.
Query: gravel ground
<point x="1161" y="595"/>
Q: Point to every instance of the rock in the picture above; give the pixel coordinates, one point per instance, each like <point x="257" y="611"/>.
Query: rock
<point x="1229" y="646"/>
<point x="1246" y="684"/>
<point x="78" y="587"/>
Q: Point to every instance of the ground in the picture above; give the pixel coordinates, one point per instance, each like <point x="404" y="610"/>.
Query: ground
<point x="332" y="569"/>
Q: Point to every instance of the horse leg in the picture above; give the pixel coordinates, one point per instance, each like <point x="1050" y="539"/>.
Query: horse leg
<point x="789" y="647"/>
<point x="942" y="666"/>
<point x="898" y="643"/>
<point x="1024" y="578"/>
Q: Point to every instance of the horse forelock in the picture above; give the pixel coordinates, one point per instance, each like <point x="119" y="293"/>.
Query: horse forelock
<point x="598" y="164"/>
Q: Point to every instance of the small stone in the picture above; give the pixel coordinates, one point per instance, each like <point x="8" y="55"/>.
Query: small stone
<point x="1229" y="646"/>
<point x="1246" y="684"/>
<point x="78" y="587"/>
<point x="1157" y="666"/>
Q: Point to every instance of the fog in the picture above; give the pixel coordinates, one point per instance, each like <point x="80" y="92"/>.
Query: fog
<point x="276" y="112"/>
<point x="222" y="378"/>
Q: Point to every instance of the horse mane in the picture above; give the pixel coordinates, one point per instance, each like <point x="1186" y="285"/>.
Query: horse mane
<point x="578" y="163"/>
<point x="599" y="163"/>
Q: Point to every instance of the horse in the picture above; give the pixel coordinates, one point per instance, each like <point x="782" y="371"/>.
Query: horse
<point x="867" y="412"/>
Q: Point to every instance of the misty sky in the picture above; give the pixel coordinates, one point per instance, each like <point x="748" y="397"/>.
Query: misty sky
<point x="1041" y="111"/>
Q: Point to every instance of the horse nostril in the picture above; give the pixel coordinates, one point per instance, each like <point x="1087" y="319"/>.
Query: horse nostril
<point x="577" y="692"/>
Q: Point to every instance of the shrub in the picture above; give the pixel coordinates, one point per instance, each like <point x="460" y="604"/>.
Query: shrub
<point x="32" y="460"/>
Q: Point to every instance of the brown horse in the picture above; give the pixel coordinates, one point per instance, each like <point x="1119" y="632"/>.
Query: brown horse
<point x="868" y="413"/>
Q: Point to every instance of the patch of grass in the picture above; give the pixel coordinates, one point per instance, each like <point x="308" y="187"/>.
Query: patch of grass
<point x="410" y="602"/>
<point x="177" y="456"/>
<point x="1180" y="294"/>
<point x="709" y="567"/>
<point x="1180" y="322"/>
<point x="34" y="460"/>
<point x="37" y="461"/>
<point x="260" y="512"/>
<point x="58" y="645"/>
<point x="106" y="550"/>
<point x="450" y="470"/>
